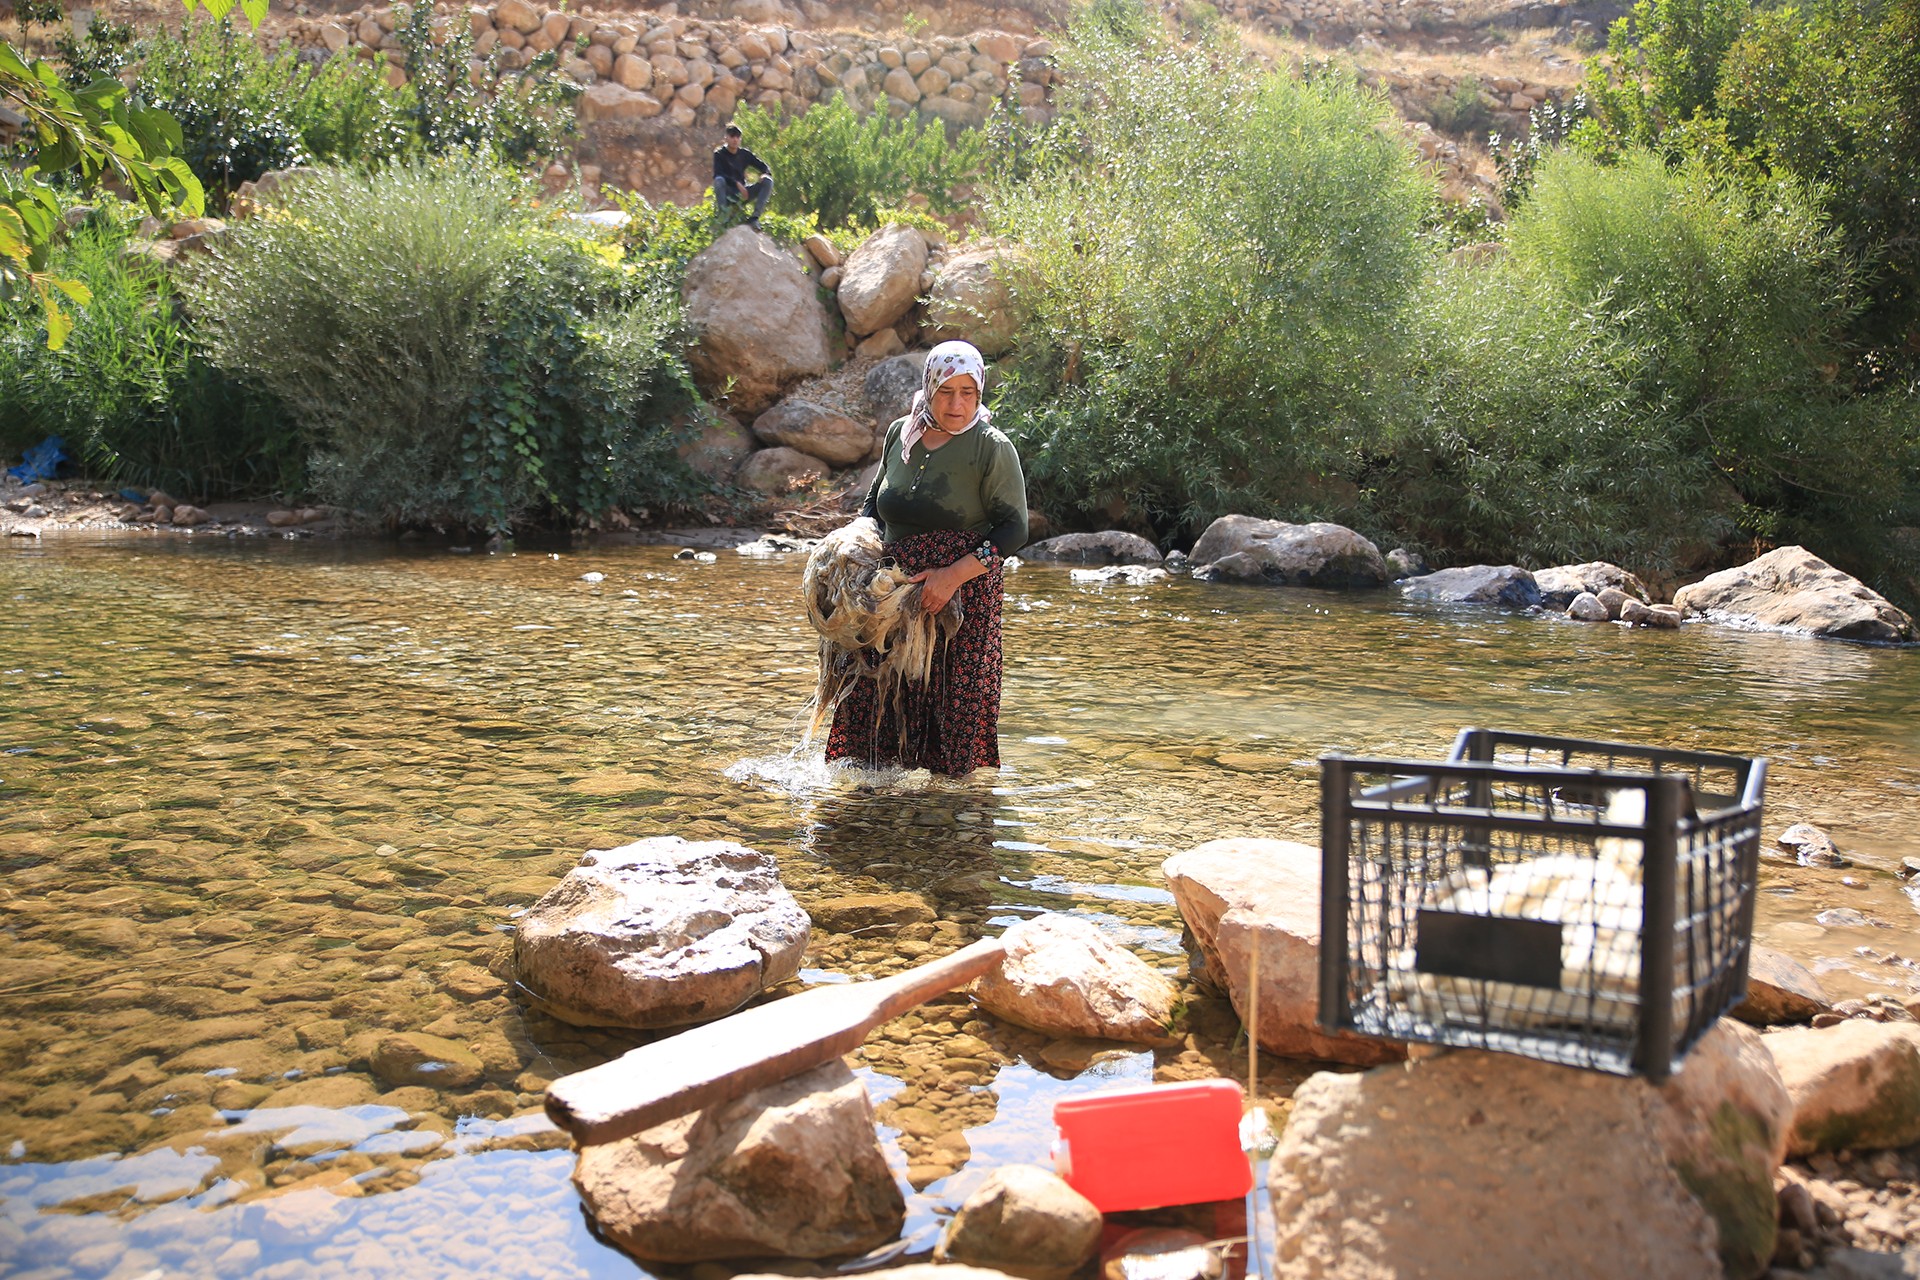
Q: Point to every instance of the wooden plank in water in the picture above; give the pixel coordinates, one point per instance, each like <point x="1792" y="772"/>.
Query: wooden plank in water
<point x="728" y="1059"/>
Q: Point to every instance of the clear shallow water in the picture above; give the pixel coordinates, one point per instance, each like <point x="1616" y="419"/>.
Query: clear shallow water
<point x="261" y="804"/>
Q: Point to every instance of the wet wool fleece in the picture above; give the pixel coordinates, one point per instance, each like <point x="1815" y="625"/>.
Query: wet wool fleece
<point x="871" y="623"/>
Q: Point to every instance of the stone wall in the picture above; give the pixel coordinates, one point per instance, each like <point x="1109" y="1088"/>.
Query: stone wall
<point x="657" y="87"/>
<point x="657" y="84"/>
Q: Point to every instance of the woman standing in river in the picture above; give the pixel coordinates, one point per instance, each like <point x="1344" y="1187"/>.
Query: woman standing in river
<point x="952" y="504"/>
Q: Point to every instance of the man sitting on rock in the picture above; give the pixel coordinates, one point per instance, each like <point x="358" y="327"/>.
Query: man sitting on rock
<point x="730" y="164"/>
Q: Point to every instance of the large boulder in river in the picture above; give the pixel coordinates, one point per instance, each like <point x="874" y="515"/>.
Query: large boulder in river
<point x="970" y="300"/>
<point x="793" y="1170"/>
<point x="1475" y="1164"/>
<point x="1508" y="585"/>
<point x="834" y="438"/>
<point x="1791" y="589"/>
<point x="1246" y="549"/>
<point x="881" y="278"/>
<point x="1063" y="976"/>
<point x="660" y="933"/>
<point x="1247" y="894"/>
<point x="755" y="319"/>
<point x="1855" y="1084"/>
<point x="1562" y="583"/>
<point x="1111" y="546"/>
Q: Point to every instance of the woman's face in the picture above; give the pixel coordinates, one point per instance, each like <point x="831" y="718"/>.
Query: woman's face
<point x="955" y="401"/>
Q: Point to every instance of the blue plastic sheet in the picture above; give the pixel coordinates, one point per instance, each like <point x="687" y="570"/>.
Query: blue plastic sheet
<point x="43" y="461"/>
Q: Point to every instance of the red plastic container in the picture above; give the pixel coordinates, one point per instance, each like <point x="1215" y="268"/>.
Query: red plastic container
<point x="1149" y="1148"/>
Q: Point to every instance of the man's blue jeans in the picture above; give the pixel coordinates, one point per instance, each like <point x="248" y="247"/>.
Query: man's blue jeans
<point x="724" y="195"/>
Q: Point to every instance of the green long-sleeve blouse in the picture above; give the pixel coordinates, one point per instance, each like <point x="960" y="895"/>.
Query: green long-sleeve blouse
<point x="973" y="482"/>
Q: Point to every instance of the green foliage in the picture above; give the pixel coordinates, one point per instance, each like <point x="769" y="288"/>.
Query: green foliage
<point x="534" y="119"/>
<point x="1464" y="113"/>
<point x="1740" y="304"/>
<point x="236" y="105"/>
<point x="256" y="10"/>
<point x="105" y="50"/>
<point x="458" y="355"/>
<point x="130" y="393"/>
<point x="844" y="168"/>
<point x="1516" y="160"/>
<point x="89" y="135"/>
<point x="1523" y="438"/>
<point x="1830" y="94"/>
<point x="245" y="110"/>
<point x="1211" y="290"/>
<point x="1661" y="67"/>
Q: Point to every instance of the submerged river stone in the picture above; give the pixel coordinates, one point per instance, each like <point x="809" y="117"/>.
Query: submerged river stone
<point x="660" y="933"/>
<point x="1062" y="975"/>
<point x="794" y="1170"/>
<point x="1246" y="549"/>
<point x="1506" y="585"/>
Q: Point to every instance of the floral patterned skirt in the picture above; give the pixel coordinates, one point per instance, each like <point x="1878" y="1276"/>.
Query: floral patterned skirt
<point x="950" y="724"/>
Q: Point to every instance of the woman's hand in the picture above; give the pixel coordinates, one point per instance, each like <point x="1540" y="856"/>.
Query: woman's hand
<point x="937" y="586"/>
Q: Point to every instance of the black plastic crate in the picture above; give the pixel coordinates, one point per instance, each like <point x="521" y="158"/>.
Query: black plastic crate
<point x="1585" y="903"/>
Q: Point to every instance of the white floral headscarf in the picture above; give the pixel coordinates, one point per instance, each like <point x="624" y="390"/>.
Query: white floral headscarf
<point x="948" y="360"/>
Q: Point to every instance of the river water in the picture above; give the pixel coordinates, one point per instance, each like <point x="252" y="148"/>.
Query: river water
<point x="262" y="803"/>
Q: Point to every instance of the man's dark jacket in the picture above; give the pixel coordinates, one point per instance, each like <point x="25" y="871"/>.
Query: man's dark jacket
<point x="732" y="165"/>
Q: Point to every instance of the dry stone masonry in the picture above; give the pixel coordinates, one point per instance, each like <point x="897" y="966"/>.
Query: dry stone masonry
<point x="657" y="83"/>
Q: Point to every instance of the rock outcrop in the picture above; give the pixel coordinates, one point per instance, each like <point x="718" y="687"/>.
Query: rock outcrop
<point x="1245" y="549"/>
<point x="970" y="300"/>
<point x="660" y="933"/>
<point x="1856" y="1084"/>
<point x="1111" y="546"/>
<point x="890" y="387"/>
<point x="720" y="446"/>
<point x="1791" y="589"/>
<point x="1245" y="894"/>
<point x="881" y="278"/>
<point x="1065" y="977"/>
<point x="780" y="470"/>
<point x="756" y="318"/>
<point x="834" y="438"/>
<point x="1476" y="1164"/>
<point x="1024" y="1221"/>
<point x="1506" y="585"/>
<point x="794" y="1170"/>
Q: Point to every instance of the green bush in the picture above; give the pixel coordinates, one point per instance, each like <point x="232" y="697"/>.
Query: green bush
<point x="457" y="355"/>
<point x="134" y="399"/>
<point x="844" y="169"/>
<point x="1661" y="69"/>
<point x="1830" y="94"/>
<point x="1216" y="292"/>
<point x="244" y="110"/>
<point x="1464" y="113"/>
<point x="1741" y="305"/>
<point x="1523" y="437"/>
<point x="531" y="118"/>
